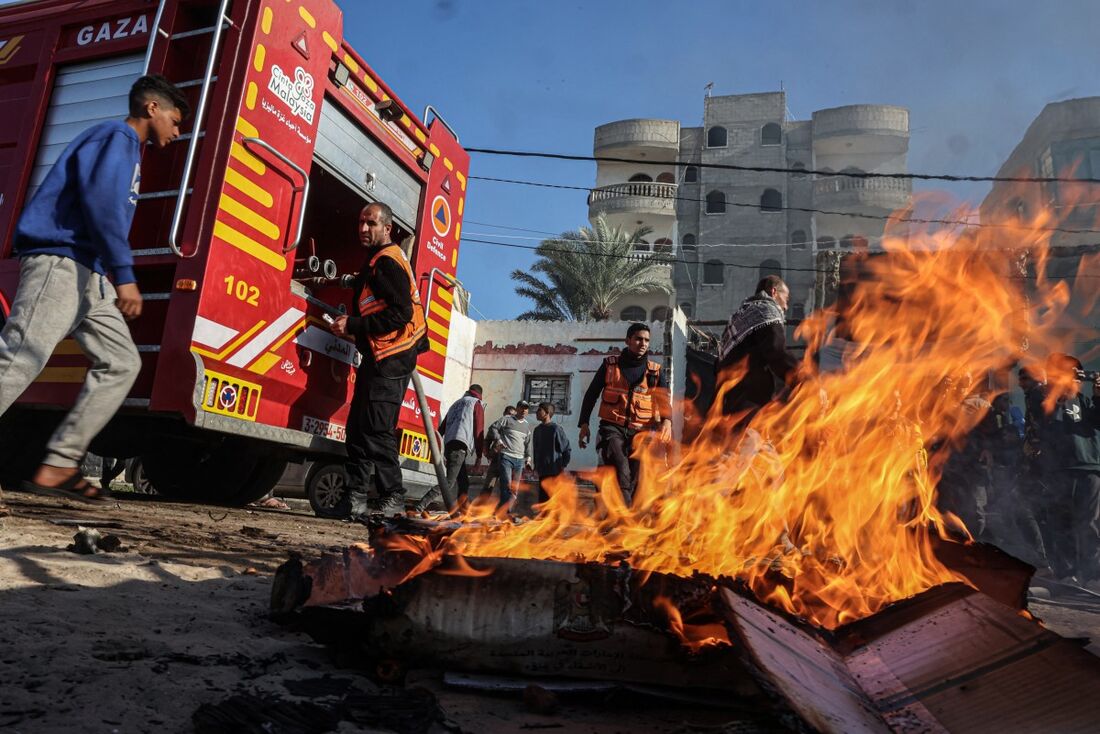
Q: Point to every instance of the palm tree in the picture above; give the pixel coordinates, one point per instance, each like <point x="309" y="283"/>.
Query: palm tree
<point x="585" y="271"/>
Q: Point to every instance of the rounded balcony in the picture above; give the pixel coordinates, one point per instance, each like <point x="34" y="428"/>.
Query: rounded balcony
<point x="880" y="193"/>
<point x="657" y="140"/>
<point x="869" y="128"/>
<point x="637" y="197"/>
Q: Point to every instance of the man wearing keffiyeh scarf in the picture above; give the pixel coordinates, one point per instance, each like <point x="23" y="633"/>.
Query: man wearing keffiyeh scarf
<point x="755" y="336"/>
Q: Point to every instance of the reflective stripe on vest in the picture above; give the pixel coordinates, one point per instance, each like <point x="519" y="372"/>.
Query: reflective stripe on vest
<point x="406" y="337"/>
<point x="626" y="406"/>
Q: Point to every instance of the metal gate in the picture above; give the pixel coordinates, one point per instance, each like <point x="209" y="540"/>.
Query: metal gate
<point x="83" y="95"/>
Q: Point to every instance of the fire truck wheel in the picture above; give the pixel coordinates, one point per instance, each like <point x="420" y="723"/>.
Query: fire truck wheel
<point x="231" y="471"/>
<point x="23" y="436"/>
<point x="326" y="488"/>
<point x="263" y="480"/>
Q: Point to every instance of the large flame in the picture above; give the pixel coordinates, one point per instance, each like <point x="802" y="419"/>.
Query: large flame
<point x="825" y="506"/>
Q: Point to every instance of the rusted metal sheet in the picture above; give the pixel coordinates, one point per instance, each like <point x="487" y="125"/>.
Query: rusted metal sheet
<point x="799" y="669"/>
<point x="975" y="665"/>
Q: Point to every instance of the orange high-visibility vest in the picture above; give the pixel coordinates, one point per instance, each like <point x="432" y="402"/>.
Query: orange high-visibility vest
<point x="406" y="337"/>
<point x="626" y="406"/>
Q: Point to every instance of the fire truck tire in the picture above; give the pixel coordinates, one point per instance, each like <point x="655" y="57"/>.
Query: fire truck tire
<point x="232" y="471"/>
<point x="326" y="488"/>
<point x="262" y="481"/>
<point x="23" y="437"/>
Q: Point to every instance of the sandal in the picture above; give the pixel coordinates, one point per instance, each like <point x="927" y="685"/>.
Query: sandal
<point x="75" y="488"/>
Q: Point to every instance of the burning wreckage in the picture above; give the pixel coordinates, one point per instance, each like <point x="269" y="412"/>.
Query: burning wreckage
<point x="801" y="566"/>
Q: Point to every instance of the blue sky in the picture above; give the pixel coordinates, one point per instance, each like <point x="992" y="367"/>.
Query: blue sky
<point x="541" y="75"/>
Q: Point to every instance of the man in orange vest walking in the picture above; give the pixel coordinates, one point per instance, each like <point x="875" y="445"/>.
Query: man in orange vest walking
<point x="389" y="331"/>
<point x="635" y="397"/>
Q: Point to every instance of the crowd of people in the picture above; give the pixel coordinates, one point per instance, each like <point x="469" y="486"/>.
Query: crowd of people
<point x="1029" y="480"/>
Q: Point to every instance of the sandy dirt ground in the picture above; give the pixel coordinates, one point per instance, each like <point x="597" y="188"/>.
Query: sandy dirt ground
<point x="137" y="640"/>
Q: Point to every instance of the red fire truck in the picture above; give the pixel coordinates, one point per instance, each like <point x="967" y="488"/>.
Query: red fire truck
<point x="238" y="227"/>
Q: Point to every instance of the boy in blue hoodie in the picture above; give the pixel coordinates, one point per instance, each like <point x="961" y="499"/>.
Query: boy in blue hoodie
<point x="76" y="276"/>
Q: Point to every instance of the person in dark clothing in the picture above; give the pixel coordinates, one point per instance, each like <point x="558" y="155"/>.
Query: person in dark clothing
<point x="550" y="447"/>
<point x="390" y="332"/>
<point x="1069" y="436"/>
<point x="463" y="430"/>
<point x="755" y="337"/>
<point x="635" y="398"/>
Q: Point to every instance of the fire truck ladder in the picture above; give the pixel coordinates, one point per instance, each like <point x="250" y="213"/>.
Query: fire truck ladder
<point x="205" y="82"/>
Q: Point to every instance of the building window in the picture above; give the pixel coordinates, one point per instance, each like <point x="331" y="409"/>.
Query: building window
<point x="771" y="201"/>
<point x="799" y="169"/>
<point x="714" y="272"/>
<point x="688" y="239"/>
<point x="716" y="137"/>
<point x="547" y="389"/>
<point x="665" y="178"/>
<point x="688" y="309"/>
<point x="826" y="243"/>
<point x="632" y="313"/>
<point x="716" y="202"/>
<point x="853" y="242"/>
<point x="660" y="313"/>
<point x="771" y="267"/>
<point x="640" y="177"/>
<point x="691" y="174"/>
<point x="771" y="134"/>
<point x="663" y="246"/>
<point x="798" y="240"/>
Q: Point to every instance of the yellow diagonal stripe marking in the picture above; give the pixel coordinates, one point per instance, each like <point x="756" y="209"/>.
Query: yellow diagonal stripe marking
<point x="437" y="347"/>
<point x="307" y="17"/>
<point x="219" y="356"/>
<point x="250" y="96"/>
<point x="435" y="326"/>
<point x="246" y="244"/>
<point x="461" y="180"/>
<point x="425" y="371"/>
<point x="330" y="41"/>
<point x="265" y="24"/>
<point x="264" y="363"/>
<point x="444" y="294"/>
<point x="238" y="181"/>
<point x="254" y="164"/>
<point x="438" y="310"/>
<point x="262" y="225"/>
<point x="261" y="54"/>
<point x="246" y="128"/>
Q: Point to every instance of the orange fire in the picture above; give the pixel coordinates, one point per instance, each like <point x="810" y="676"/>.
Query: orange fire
<point x="825" y="506"/>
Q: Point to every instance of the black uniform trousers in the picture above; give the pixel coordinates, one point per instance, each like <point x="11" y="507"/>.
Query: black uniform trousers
<point x="372" y="435"/>
<point x="615" y="444"/>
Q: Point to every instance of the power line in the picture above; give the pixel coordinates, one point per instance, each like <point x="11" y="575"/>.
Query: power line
<point x="856" y="215"/>
<point x="802" y="245"/>
<point x="669" y="260"/>
<point x="776" y="169"/>
<point x="632" y="256"/>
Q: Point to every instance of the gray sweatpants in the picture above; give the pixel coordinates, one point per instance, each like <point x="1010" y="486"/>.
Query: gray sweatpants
<point x="57" y="297"/>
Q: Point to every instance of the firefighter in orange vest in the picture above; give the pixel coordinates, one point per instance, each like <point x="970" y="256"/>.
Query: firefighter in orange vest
<point x="635" y="397"/>
<point x="389" y="331"/>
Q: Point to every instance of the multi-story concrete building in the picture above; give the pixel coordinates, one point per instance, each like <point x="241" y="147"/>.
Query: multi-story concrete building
<point x="725" y="228"/>
<point x="1062" y="142"/>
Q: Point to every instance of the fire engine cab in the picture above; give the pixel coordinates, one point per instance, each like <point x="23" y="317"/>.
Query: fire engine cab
<point x="243" y="231"/>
